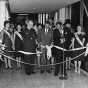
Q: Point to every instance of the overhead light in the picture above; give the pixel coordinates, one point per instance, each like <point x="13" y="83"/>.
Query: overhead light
<point x="23" y="14"/>
<point x="34" y="8"/>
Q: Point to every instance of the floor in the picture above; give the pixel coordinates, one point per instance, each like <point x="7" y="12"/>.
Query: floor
<point x="18" y="79"/>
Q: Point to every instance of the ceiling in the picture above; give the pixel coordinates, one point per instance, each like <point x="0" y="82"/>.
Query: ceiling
<point x="36" y="6"/>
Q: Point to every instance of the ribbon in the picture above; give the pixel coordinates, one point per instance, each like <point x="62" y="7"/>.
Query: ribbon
<point x="49" y="50"/>
<point x="29" y="53"/>
<point x="49" y="53"/>
<point x="23" y="52"/>
<point x="60" y="48"/>
<point x="41" y="65"/>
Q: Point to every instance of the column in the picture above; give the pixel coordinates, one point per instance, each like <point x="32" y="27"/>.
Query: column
<point x="4" y="14"/>
<point x="46" y="17"/>
<point x="43" y="19"/>
<point x="56" y="17"/>
<point x="39" y="18"/>
<point x="62" y="15"/>
<point x="81" y="13"/>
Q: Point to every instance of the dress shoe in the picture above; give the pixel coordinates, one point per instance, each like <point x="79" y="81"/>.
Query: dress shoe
<point x="42" y="71"/>
<point x="33" y="72"/>
<point x="49" y="71"/>
<point x="28" y="73"/>
<point x="55" y="74"/>
<point x="63" y="77"/>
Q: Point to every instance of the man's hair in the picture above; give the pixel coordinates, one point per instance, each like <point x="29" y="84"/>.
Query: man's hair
<point x="59" y="23"/>
<point x="67" y="21"/>
<point x="47" y="22"/>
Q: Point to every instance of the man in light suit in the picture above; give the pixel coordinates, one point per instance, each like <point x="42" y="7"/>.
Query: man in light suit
<point x="46" y="39"/>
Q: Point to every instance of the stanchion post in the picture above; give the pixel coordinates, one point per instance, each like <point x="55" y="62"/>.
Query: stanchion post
<point x="63" y="77"/>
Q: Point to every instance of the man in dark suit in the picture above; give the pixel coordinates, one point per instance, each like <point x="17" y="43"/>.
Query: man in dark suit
<point x="58" y="40"/>
<point x="68" y="34"/>
<point x="29" y="46"/>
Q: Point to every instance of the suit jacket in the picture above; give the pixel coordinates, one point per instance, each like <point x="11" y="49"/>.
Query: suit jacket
<point x="68" y="36"/>
<point x="46" y="38"/>
<point x="29" y="40"/>
<point x="57" y="41"/>
<point x="57" y="38"/>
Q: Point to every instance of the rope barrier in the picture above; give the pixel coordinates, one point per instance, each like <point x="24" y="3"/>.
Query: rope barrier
<point x="14" y="59"/>
<point x="23" y="52"/>
<point x="70" y="49"/>
<point x="59" y="48"/>
<point x="29" y="53"/>
<point x="40" y="65"/>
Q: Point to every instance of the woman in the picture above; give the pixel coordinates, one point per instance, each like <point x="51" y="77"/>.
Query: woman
<point x="8" y="42"/>
<point x="18" y="44"/>
<point x="78" y="40"/>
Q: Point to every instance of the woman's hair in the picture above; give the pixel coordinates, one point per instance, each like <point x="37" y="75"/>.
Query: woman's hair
<point x="78" y="25"/>
<point x="18" y="24"/>
<point x="6" y="22"/>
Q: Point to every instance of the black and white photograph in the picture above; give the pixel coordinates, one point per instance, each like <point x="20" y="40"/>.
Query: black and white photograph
<point x="43" y="43"/>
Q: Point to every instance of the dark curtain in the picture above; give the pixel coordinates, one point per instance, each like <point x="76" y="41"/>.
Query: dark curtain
<point x="75" y="15"/>
<point x="86" y="4"/>
<point x="85" y="24"/>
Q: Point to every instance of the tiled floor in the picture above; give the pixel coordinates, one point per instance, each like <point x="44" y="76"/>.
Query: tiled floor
<point x="13" y="79"/>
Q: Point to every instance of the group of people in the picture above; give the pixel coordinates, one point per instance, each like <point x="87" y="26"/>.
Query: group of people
<point x="31" y="37"/>
<point x="65" y="37"/>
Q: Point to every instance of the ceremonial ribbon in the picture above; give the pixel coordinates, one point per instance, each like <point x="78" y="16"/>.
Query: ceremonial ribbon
<point x="23" y="52"/>
<point x="59" y="48"/>
<point x="49" y="52"/>
<point x="28" y="53"/>
<point x="40" y="65"/>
